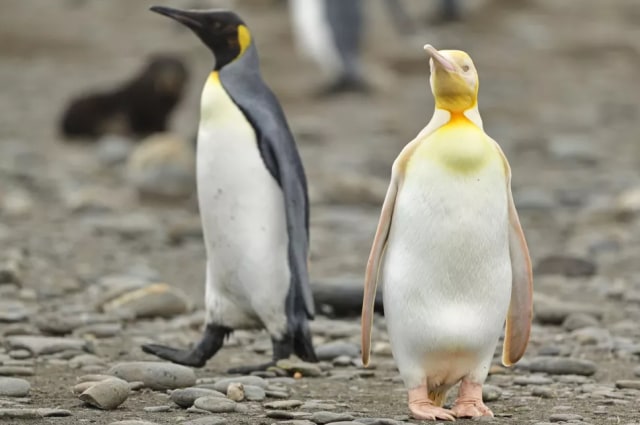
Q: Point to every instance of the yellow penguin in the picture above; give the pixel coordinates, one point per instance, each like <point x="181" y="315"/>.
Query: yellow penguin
<point x="451" y="253"/>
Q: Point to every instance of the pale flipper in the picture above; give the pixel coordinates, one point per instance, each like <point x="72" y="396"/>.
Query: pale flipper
<point x="373" y="266"/>
<point x="520" y="313"/>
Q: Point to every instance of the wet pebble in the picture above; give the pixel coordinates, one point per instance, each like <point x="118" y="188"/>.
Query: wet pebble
<point x="20" y="354"/>
<point x="155" y="375"/>
<point x="157" y="409"/>
<point x="215" y="404"/>
<point x="562" y="366"/>
<point x="628" y="384"/>
<point x="185" y="397"/>
<point x="14" y="387"/>
<point x="39" y="345"/>
<point x="286" y="414"/>
<point x="107" y="394"/>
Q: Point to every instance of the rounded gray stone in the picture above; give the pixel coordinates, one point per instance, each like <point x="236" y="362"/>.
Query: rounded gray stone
<point x="491" y="393"/>
<point x="562" y="366"/>
<point x="207" y="420"/>
<point x="330" y="417"/>
<point x="335" y="349"/>
<point x="253" y="393"/>
<point x="185" y="397"/>
<point x="215" y="404"/>
<point x="133" y="422"/>
<point x="222" y="384"/>
<point x="564" y="417"/>
<point x="155" y="375"/>
<point x="283" y="404"/>
<point x="14" y="387"/>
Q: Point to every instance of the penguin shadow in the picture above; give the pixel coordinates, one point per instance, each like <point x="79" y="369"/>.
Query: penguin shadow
<point x="135" y="108"/>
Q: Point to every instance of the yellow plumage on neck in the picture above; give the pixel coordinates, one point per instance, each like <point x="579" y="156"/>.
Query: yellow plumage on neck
<point x="244" y="38"/>
<point x="459" y="145"/>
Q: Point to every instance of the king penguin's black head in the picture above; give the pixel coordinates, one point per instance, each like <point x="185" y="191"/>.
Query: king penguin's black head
<point x="221" y="30"/>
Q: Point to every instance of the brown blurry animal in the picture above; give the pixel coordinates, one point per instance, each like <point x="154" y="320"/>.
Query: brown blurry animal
<point x="137" y="108"/>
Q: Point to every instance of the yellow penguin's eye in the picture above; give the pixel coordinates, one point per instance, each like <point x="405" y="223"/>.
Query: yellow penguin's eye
<point x="465" y="68"/>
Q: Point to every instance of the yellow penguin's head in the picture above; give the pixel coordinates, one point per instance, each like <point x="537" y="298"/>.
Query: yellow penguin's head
<point x="222" y="31"/>
<point x="454" y="79"/>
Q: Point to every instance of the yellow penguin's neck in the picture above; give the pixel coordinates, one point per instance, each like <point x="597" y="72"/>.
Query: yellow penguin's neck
<point x="456" y="141"/>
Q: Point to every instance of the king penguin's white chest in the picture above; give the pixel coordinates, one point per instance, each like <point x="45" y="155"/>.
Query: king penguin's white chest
<point x="447" y="271"/>
<point x="241" y="206"/>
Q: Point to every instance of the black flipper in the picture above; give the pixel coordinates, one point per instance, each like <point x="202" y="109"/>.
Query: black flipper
<point x="207" y="347"/>
<point x="242" y="81"/>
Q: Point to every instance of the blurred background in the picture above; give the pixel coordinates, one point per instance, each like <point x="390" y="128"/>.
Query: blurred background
<point x="558" y="91"/>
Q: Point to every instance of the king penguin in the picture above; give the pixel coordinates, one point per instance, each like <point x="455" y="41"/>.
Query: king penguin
<point x="330" y="32"/>
<point x="252" y="195"/>
<point x="451" y="253"/>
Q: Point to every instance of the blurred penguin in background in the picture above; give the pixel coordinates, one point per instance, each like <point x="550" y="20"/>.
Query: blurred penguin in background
<point x="330" y="32"/>
<point x="136" y="108"/>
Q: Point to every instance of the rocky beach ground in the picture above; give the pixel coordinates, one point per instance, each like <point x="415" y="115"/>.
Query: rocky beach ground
<point x="89" y="270"/>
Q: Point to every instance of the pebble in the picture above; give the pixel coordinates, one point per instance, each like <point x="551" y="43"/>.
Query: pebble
<point x="185" y="397"/>
<point x="33" y="413"/>
<point x="107" y="394"/>
<point x="564" y="417"/>
<point x="628" y="384"/>
<point x="12" y="312"/>
<point x="155" y="375"/>
<point x="12" y="267"/>
<point x="99" y="330"/>
<point x="636" y="371"/>
<point x="253" y="393"/>
<point x="296" y="422"/>
<point x="163" y="165"/>
<point x="283" y="404"/>
<point x="14" y="387"/>
<point x="562" y="366"/>
<point x="335" y="349"/>
<point x="39" y="345"/>
<point x="207" y="420"/>
<point x="306" y="369"/>
<point x="532" y="380"/>
<point x="566" y="266"/>
<point x="20" y="354"/>
<point x="16" y="371"/>
<point x="491" y="393"/>
<point x="342" y="361"/>
<point x="215" y="404"/>
<point x="378" y="421"/>
<point x="576" y="321"/>
<point x="127" y="226"/>
<point x="222" y="384"/>
<point x="235" y="391"/>
<point x="113" y="149"/>
<point x="556" y="312"/>
<point x="157" y="409"/>
<point x="543" y="392"/>
<point x="329" y="417"/>
<point x="285" y="414"/>
<point x="156" y="300"/>
<point x="86" y="360"/>
<point x="316" y="405"/>
<point x="133" y="422"/>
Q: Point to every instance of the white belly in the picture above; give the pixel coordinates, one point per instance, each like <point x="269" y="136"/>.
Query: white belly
<point x="244" y="224"/>
<point x="447" y="271"/>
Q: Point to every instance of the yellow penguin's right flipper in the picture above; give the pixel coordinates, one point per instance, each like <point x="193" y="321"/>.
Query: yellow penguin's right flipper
<point x="521" y="307"/>
<point x="373" y="266"/>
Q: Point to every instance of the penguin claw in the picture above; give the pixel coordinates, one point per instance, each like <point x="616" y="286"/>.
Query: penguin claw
<point x="183" y="357"/>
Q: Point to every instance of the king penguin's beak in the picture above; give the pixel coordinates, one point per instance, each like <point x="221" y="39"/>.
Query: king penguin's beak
<point x="191" y="19"/>
<point x="438" y="59"/>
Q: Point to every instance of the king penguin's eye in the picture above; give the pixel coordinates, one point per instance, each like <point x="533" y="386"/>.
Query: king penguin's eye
<point x="465" y="68"/>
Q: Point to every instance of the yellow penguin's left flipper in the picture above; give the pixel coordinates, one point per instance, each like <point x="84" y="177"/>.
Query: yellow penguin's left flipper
<point x="521" y="307"/>
<point x="373" y="266"/>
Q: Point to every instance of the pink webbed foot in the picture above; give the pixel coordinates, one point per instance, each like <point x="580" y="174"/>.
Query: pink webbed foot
<point x="422" y="408"/>
<point x="469" y="403"/>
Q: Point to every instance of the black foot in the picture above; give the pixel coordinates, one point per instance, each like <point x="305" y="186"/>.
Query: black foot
<point x="185" y="357"/>
<point x="209" y="345"/>
<point x="246" y="370"/>
<point x="342" y="86"/>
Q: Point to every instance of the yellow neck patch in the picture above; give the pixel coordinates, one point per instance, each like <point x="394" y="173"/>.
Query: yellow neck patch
<point x="244" y="38"/>
<point x="214" y="78"/>
<point x="459" y="145"/>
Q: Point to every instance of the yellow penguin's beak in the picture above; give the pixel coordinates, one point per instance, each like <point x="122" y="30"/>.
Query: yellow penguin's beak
<point x="438" y="59"/>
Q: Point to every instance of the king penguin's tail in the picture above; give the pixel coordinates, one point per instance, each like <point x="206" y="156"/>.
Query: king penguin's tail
<point x="302" y="344"/>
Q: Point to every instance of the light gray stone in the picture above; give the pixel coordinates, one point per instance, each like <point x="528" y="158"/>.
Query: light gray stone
<point x="254" y="393"/>
<point x="107" y="394"/>
<point x="283" y="404"/>
<point x="222" y="384"/>
<point x="562" y="366"/>
<point x="329" y="417"/>
<point x="39" y="345"/>
<point x="14" y="387"/>
<point x="207" y="420"/>
<point x="155" y="375"/>
<point x="185" y="397"/>
<point x="215" y="404"/>
<point x="335" y="349"/>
